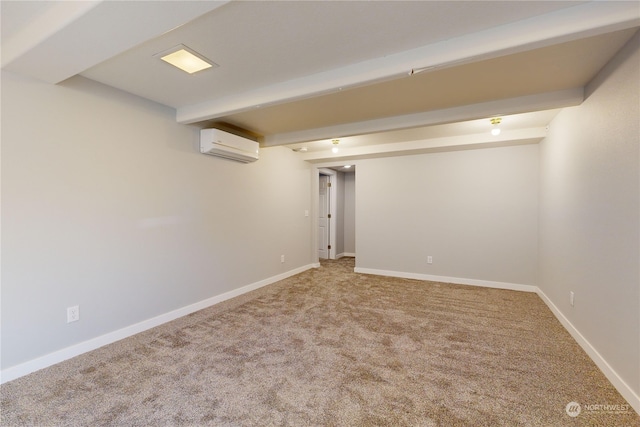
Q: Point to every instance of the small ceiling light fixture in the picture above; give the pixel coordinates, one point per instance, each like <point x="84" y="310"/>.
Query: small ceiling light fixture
<point x="335" y="143"/>
<point x="186" y="59"/>
<point x="495" y="122"/>
<point x="347" y="166"/>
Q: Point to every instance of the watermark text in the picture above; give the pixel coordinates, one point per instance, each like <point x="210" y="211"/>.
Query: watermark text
<point x="573" y="409"/>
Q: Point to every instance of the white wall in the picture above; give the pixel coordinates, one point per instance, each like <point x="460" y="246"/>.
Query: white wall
<point x="474" y="212"/>
<point x="350" y="213"/>
<point x="107" y="203"/>
<point x="589" y="214"/>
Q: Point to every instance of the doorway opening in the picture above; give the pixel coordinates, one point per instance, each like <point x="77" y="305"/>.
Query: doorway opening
<point x="335" y="212"/>
<point x="326" y="213"/>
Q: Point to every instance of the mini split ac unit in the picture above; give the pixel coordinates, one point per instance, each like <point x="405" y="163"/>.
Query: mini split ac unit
<point x="216" y="142"/>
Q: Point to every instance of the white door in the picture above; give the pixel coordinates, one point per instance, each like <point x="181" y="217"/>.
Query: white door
<point x="323" y="216"/>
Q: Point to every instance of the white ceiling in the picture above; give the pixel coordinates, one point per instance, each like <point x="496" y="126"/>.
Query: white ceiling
<point x="259" y="44"/>
<point x="304" y="73"/>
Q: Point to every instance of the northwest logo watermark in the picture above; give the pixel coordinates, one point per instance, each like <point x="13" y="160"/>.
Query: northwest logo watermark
<point x="573" y="409"/>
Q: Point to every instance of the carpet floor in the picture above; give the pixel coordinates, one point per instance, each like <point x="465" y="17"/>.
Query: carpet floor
<point x="329" y="347"/>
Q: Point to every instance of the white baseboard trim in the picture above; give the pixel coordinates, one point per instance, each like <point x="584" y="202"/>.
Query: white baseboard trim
<point x="620" y="385"/>
<point x="345" y="254"/>
<point x="445" y="279"/>
<point x="50" y="359"/>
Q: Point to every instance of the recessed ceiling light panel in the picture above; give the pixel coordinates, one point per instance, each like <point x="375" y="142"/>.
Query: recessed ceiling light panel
<point x="185" y="59"/>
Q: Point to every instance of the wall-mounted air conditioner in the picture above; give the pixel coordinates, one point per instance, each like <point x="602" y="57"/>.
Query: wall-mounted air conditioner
<point x="216" y="142"/>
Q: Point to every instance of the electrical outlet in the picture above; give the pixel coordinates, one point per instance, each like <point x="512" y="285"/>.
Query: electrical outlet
<point x="73" y="314"/>
<point x="281" y="258"/>
<point x="571" y="298"/>
<point x="429" y="260"/>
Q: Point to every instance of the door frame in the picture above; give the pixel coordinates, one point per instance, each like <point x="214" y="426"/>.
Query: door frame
<point x="332" y="208"/>
<point x="315" y="184"/>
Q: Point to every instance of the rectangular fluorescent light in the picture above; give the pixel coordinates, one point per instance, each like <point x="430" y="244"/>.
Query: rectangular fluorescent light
<point x="186" y="59"/>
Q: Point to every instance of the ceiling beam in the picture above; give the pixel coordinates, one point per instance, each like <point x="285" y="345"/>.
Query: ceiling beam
<point x="71" y="37"/>
<point x="51" y="18"/>
<point x="584" y="20"/>
<point x="453" y="143"/>
<point x="523" y="104"/>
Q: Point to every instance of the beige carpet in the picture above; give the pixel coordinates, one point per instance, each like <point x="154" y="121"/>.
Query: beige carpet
<point x="331" y="347"/>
